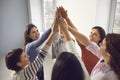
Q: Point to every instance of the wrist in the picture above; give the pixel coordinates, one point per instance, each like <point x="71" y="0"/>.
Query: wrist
<point x="67" y="18"/>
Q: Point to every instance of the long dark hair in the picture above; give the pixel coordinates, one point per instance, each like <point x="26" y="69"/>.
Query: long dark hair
<point x="113" y="47"/>
<point x="27" y="32"/>
<point x="67" y="67"/>
<point x="101" y="32"/>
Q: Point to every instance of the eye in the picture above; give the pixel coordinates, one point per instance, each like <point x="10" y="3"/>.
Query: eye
<point x="37" y="30"/>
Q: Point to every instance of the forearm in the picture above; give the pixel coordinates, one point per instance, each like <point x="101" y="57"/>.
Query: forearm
<point x="50" y="38"/>
<point x="45" y="35"/>
<point x="70" y="23"/>
<point x="80" y="37"/>
<point x="35" y="44"/>
<point x="31" y="70"/>
<point x="67" y="36"/>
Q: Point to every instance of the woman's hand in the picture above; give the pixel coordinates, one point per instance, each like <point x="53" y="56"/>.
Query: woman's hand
<point x="63" y="12"/>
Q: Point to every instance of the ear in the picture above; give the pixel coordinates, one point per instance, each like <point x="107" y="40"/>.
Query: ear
<point x="19" y="64"/>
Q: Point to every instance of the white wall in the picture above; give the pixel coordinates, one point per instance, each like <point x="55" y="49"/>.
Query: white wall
<point x="13" y="19"/>
<point x="81" y="12"/>
<point x="103" y="13"/>
<point x="35" y="15"/>
<point x="87" y="13"/>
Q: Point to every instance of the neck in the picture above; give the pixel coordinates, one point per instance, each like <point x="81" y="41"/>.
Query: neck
<point x="106" y="61"/>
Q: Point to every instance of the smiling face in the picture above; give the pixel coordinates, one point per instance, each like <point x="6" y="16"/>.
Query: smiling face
<point x="24" y="60"/>
<point x="103" y="51"/>
<point x="34" y="33"/>
<point x="94" y="36"/>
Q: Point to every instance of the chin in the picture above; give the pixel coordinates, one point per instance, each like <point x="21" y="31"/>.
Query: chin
<point x="91" y="40"/>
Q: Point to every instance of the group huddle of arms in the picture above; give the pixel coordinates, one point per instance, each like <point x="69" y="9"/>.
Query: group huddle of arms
<point x="63" y="24"/>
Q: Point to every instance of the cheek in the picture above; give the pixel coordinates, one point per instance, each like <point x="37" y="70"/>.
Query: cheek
<point x="26" y="61"/>
<point x="31" y="36"/>
<point x="91" y="38"/>
<point x="38" y="34"/>
<point x="101" y="51"/>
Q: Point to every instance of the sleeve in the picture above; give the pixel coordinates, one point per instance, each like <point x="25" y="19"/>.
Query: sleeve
<point x="38" y="42"/>
<point x="95" y="49"/>
<point x="70" y="45"/>
<point x="71" y="48"/>
<point x="31" y="70"/>
<point x="54" y="43"/>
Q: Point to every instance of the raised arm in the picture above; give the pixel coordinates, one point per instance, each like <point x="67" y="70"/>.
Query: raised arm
<point x="70" y="45"/>
<point x="32" y="69"/>
<point x="66" y="17"/>
<point x="80" y="37"/>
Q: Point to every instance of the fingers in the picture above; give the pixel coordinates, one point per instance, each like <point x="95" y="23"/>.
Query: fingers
<point x="63" y="24"/>
<point x="59" y="19"/>
<point x="63" y="12"/>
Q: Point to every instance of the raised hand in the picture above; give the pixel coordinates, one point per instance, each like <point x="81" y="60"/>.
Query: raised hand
<point x="55" y="24"/>
<point x="64" y="28"/>
<point x="63" y="25"/>
<point x="63" y="12"/>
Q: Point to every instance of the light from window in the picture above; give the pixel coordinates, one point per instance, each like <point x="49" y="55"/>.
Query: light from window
<point x="116" y="27"/>
<point x="49" y="12"/>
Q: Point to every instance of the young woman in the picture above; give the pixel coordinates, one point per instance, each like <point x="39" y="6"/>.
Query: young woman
<point x="69" y="65"/>
<point x="32" y="42"/>
<point x="108" y="53"/>
<point x="97" y="35"/>
<point x="18" y="61"/>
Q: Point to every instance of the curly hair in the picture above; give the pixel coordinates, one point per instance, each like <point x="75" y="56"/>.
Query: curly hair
<point x="113" y="47"/>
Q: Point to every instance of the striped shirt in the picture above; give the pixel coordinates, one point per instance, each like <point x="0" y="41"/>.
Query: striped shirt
<point x="29" y="72"/>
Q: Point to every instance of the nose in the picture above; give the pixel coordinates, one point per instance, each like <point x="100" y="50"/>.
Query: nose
<point x="90" y="36"/>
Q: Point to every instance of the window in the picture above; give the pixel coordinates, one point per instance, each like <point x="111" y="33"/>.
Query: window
<point x="114" y="22"/>
<point x="116" y="25"/>
<point x="49" y="7"/>
<point x="41" y="13"/>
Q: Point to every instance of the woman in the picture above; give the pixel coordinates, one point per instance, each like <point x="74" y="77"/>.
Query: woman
<point x="108" y="53"/>
<point x="68" y="66"/>
<point x="97" y="35"/>
<point x="18" y="61"/>
<point x="32" y="42"/>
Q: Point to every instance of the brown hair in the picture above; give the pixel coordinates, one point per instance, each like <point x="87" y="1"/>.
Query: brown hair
<point x="27" y="32"/>
<point x="113" y="47"/>
<point x="101" y="32"/>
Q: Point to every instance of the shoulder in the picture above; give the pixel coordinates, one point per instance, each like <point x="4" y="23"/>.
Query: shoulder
<point x="109" y="74"/>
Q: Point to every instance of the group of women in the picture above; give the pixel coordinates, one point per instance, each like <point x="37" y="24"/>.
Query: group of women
<point x="69" y="64"/>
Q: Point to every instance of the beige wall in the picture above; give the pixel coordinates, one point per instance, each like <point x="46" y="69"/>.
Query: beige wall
<point x="81" y="12"/>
